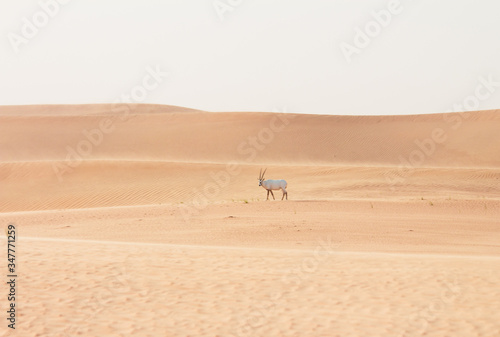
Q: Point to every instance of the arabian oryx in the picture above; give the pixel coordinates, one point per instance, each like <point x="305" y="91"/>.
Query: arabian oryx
<point x="271" y="185"/>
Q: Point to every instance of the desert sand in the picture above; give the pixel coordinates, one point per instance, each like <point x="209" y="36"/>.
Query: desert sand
<point x="147" y="220"/>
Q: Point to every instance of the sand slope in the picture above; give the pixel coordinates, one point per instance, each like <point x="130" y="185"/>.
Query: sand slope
<point x="147" y="220"/>
<point x="68" y="160"/>
<point x="136" y="133"/>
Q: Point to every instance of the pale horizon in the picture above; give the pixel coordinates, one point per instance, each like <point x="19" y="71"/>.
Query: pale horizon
<point x="340" y="58"/>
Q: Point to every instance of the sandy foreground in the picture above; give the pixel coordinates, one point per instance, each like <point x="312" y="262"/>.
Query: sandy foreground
<point x="147" y="220"/>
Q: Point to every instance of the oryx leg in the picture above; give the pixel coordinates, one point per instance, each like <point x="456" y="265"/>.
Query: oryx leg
<point x="272" y="194"/>
<point x="285" y="193"/>
<point x="267" y="195"/>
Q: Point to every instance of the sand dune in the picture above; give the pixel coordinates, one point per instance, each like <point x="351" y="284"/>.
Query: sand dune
<point x="67" y="160"/>
<point x="135" y="133"/>
<point x="147" y="220"/>
<point x="30" y="186"/>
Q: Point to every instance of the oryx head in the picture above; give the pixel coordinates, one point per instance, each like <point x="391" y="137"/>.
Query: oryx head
<point x="261" y="176"/>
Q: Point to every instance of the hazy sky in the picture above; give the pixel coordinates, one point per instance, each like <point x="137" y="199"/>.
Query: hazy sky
<point x="329" y="57"/>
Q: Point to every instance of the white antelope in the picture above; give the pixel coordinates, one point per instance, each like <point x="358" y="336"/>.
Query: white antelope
<point x="271" y="185"/>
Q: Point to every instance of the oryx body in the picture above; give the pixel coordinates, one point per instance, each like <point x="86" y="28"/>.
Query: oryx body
<point x="271" y="185"/>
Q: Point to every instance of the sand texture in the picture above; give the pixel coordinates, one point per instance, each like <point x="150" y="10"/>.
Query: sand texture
<point x="147" y="220"/>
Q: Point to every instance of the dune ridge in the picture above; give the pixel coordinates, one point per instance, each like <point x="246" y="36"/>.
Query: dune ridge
<point x="229" y="136"/>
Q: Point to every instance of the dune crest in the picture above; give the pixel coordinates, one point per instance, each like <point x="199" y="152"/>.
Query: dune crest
<point x="148" y="132"/>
